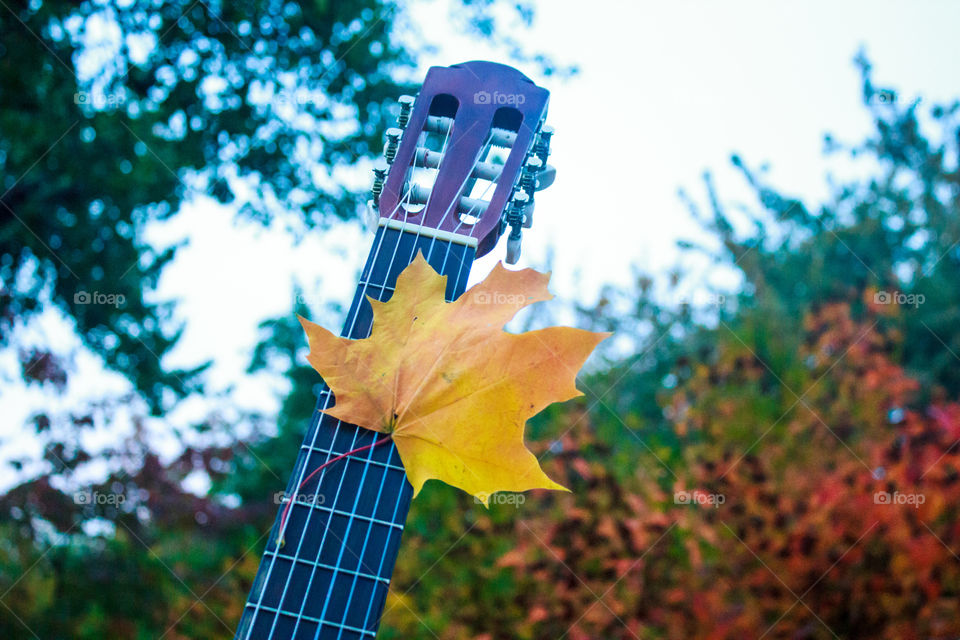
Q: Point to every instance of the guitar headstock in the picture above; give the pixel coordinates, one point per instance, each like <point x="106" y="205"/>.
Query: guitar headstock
<point x="468" y="154"/>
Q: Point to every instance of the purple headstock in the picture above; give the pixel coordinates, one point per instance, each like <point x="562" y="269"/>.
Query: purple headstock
<point x="469" y="153"/>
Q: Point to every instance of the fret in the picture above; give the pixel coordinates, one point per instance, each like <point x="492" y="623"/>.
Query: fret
<point x="376" y="609"/>
<point x="323" y="437"/>
<point x="330" y="579"/>
<point x="364" y="283"/>
<point x="311" y="624"/>
<point x="311" y="505"/>
<point x="328" y="567"/>
<point x="366" y="541"/>
<point x="334" y="454"/>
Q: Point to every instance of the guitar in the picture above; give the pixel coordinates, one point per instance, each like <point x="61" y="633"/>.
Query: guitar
<point x="459" y="171"/>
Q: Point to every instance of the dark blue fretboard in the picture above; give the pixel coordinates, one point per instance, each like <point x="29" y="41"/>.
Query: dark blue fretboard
<point x="329" y="579"/>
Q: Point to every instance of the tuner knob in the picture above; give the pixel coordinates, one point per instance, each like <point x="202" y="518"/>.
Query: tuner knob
<point x="406" y="107"/>
<point x="513" y="246"/>
<point x="528" y="215"/>
<point x="393" y="141"/>
<point x="546" y="177"/>
<point x="543" y="142"/>
<point x="379" y="177"/>
<point x="514" y="218"/>
<point x="514" y="215"/>
<point x="531" y="169"/>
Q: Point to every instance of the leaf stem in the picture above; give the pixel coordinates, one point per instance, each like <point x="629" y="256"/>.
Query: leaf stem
<point x="290" y="501"/>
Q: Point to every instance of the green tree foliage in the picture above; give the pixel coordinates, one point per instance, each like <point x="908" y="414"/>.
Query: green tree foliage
<point x="112" y="113"/>
<point x="725" y="479"/>
<point x="827" y="379"/>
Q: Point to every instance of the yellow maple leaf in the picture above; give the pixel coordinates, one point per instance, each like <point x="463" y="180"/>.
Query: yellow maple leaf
<point x="451" y="387"/>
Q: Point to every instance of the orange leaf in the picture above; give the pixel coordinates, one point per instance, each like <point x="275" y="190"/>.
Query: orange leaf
<point x="451" y="387"/>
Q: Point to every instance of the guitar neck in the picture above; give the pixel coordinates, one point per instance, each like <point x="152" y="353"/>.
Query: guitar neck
<point x="473" y="127"/>
<point x="330" y="577"/>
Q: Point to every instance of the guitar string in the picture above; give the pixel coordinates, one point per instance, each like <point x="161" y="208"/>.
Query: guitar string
<point x="366" y="618"/>
<point x="306" y="457"/>
<point x="414" y="248"/>
<point x="306" y="460"/>
<point x="389" y="455"/>
<point x="376" y="255"/>
<point x="303" y="533"/>
<point x="432" y="246"/>
<point x="336" y="496"/>
<point x="459" y="271"/>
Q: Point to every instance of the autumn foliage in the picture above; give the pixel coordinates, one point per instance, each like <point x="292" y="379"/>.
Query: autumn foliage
<point x="786" y="465"/>
<point x="839" y="521"/>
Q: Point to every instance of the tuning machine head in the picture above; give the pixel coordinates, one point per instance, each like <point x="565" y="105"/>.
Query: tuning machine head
<point x="371" y="215"/>
<point x="379" y="177"/>
<point x="528" y="182"/>
<point x="390" y="146"/>
<point x="542" y="147"/>
<point x="406" y="108"/>
<point x="392" y="143"/>
<point x="460" y="180"/>
<point x="514" y="218"/>
<point x="537" y="175"/>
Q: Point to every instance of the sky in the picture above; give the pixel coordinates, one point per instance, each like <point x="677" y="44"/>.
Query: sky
<point x="665" y="91"/>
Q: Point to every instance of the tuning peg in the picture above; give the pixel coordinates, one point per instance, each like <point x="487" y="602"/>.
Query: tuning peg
<point x="528" y="215"/>
<point x="531" y="169"/>
<point x="393" y="141"/>
<point x="529" y="181"/>
<point x="406" y="107"/>
<point x="514" y="217"/>
<point x="379" y="177"/>
<point x="546" y="177"/>
<point x="513" y="247"/>
<point x="542" y="148"/>
<point x="514" y="213"/>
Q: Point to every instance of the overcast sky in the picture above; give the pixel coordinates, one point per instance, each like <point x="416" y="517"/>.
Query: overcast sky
<point x="665" y="91"/>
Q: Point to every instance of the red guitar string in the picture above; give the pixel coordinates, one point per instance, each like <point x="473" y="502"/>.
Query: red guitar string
<point x="292" y="499"/>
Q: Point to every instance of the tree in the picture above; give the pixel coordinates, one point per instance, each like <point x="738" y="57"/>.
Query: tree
<point x="790" y="472"/>
<point x="111" y="114"/>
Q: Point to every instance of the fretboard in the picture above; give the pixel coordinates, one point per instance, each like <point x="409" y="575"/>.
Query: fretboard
<point x="329" y="579"/>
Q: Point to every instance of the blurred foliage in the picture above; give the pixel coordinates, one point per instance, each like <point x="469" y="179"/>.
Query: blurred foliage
<point x="113" y="113"/>
<point x="788" y="471"/>
<point x="828" y="381"/>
